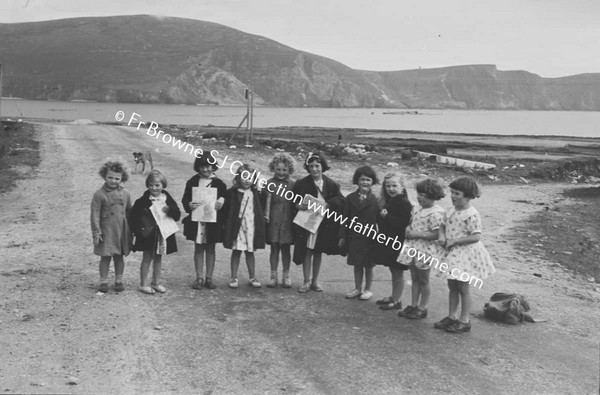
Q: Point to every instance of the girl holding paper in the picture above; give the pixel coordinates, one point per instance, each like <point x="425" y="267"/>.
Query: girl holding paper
<point x="148" y="234"/>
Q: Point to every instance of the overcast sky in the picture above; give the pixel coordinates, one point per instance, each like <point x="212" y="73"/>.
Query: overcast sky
<point x="551" y="38"/>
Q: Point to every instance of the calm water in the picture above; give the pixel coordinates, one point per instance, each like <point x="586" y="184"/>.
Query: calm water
<point x="566" y="123"/>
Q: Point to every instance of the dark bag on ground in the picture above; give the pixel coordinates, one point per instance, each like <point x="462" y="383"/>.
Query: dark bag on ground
<point x="509" y="308"/>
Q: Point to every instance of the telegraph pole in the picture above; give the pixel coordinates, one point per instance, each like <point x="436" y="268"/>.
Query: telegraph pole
<point x="249" y="115"/>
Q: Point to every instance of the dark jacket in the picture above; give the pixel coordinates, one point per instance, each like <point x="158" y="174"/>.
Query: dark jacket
<point x="328" y="230"/>
<point x="394" y="224"/>
<point x="360" y="238"/>
<point x="141" y="217"/>
<point x="214" y="230"/>
<point x="231" y="210"/>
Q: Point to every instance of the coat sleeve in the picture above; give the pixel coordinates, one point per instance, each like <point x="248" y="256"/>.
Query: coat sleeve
<point x="95" y="209"/>
<point x="134" y="217"/>
<point x="401" y="218"/>
<point x="187" y="197"/>
<point x="173" y="211"/>
<point x="343" y="230"/>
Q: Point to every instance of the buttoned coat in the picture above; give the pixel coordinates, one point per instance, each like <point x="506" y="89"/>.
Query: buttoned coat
<point x="360" y="235"/>
<point x="214" y="230"/>
<point x="109" y="211"/>
<point x="141" y="208"/>
<point x="328" y="230"/>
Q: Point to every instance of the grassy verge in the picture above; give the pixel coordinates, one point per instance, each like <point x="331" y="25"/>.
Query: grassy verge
<point x="19" y="153"/>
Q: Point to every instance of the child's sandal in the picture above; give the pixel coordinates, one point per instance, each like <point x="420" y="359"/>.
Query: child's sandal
<point x="146" y="290"/>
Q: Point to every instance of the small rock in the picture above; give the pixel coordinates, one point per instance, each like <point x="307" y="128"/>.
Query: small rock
<point x="158" y="327"/>
<point x="592" y="279"/>
<point x="72" y="380"/>
<point x="537" y="274"/>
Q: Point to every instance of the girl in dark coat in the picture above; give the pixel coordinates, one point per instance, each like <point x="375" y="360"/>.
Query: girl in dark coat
<point x="244" y="223"/>
<point x="205" y="235"/>
<point x="393" y="220"/>
<point x="148" y="237"/>
<point x="308" y="247"/>
<point x="361" y="208"/>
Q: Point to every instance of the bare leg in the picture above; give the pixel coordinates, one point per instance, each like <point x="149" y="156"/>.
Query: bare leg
<point x="316" y="266"/>
<point x="368" y="277"/>
<point x="274" y="257"/>
<point x="156" y="269"/>
<point x="199" y="260"/>
<point x="416" y="287"/>
<point x="286" y="257"/>
<point x="306" y="265"/>
<point x="397" y="284"/>
<point x="145" y="267"/>
<point x="210" y="259"/>
<point x="358" y="277"/>
<point x="466" y="300"/>
<point x="250" y="264"/>
<point x="104" y="266"/>
<point x="453" y="299"/>
<point x="425" y="288"/>
<point x="119" y="267"/>
<point x="235" y="262"/>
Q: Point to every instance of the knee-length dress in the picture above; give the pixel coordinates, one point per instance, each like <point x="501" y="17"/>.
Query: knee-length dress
<point x="244" y="220"/>
<point x="473" y="258"/>
<point x="359" y="239"/>
<point x="423" y="220"/>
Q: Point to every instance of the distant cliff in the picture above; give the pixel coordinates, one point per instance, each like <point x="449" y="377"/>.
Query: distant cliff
<point x="174" y="60"/>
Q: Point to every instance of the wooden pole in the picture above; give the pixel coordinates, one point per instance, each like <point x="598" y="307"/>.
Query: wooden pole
<point x="247" y="115"/>
<point x="252" y="113"/>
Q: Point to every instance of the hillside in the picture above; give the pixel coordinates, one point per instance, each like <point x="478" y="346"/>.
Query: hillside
<point x="174" y="60"/>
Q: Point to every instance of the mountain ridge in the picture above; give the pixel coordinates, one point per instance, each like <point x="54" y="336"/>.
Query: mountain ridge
<point x="172" y="60"/>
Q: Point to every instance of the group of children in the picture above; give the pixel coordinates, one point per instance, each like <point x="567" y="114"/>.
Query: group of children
<point x="247" y="219"/>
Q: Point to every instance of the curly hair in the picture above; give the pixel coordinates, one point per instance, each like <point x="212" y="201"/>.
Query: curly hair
<point x="316" y="157"/>
<point x="156" y="175"/>
<point x="385" y="196"/>
<point x="366" y="171"/>
<point x="467" y="186"/>
<point x="238" y="176"/>
<point x="432" y="188"/>
<point x="285" y="158"/>
<point x="117" y="167"/>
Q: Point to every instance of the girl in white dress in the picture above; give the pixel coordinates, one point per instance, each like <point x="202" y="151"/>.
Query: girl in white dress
<point x="466" y="256"/>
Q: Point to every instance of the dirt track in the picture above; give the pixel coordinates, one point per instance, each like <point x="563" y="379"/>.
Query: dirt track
<point x="55" y="328"/>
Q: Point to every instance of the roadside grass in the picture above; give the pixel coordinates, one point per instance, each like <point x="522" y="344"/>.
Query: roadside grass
<point x="19" y="153"/>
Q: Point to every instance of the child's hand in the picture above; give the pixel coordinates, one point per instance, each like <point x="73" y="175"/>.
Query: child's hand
<point x="410" y="234"/>
<point x="302" y="207"/>
<point x="266" y="218"/>
<point x="165" y="209"/>
<point x="450" y="243"/>
<point x="442" y="241"/>
<point x="218" y="205"/>
<point x="384" y="213"/>
<point x="194" y="205"/>
<point x="97" y="239"/>
<point x="341" y="243"/>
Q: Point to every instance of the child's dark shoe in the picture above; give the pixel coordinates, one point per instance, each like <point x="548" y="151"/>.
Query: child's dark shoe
<point x="103" y="288"/>
<point x="444" y="323"/>
<point x="417" y="314"/>
<point x="459" y="327"/>
<point x="119" y="287"/>
<point x="391" y="306"/>
<point x="208" y="284"/>
<point x="407" y="310"/>
<point x="386" y="300"/>
<point x="198" y="283"/>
